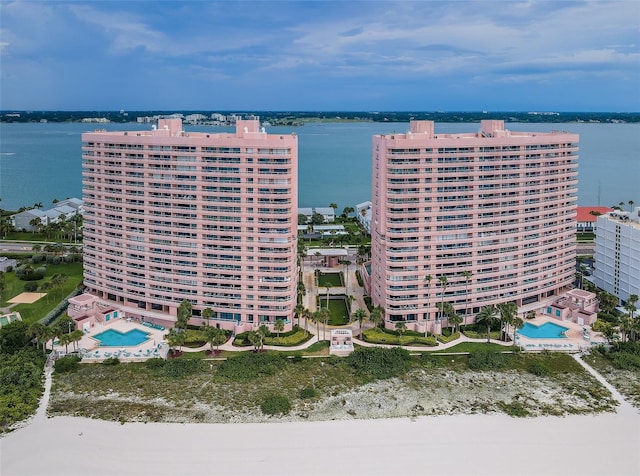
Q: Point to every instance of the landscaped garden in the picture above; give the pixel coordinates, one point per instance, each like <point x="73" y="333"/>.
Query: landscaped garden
<point x="329" y="279"/>
<point x="55" y="280"/>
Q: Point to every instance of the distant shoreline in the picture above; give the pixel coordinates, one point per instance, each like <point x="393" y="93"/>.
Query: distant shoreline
<point x="299" y="118"/>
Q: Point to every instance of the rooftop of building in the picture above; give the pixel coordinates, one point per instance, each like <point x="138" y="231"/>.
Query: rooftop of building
<point x="631" y="219"/>
<point x="245" y="128"/>
<point x="590" y="214"/>
<point x="491" y="128"/>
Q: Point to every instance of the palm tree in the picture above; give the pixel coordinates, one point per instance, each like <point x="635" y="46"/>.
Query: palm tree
<point x="297" y="312"/>
<point x="75" y="337"/>
<point x="38" y="331"/>
<point x="214" y="336"/>
<point x="278" y="326"/>
<point x="359" y="316"/>
<point x="316" y="318"/>
<point x="207" y="313"/>
<point x="346" y="264"/>
<point x="517" y="323"/>
<point x="377" y="316"/>
<point x="467" y="277"/>
<point x="631" y="202"/>
<point x="185" y="311"/>
<point x="175" y="338"/>
<point x="428" y="279"/>
<point x="443" y="282"/>
<point x="306" y="313"/>
<point x="508" y="312"/>
<point x="324" y="315"/>
<point x="455" y="320"/>
<point x="488" y="315"/>
<point x="401" y="328"/>
<point x="302" y="291"/>
<point x="65" y="339"/>
<point x="328" y="286"/>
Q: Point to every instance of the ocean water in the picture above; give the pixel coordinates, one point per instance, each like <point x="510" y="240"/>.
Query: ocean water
<point x="42" y="162"/>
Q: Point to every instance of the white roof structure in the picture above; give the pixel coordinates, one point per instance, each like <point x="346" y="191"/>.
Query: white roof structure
<point x="327" y="252"/>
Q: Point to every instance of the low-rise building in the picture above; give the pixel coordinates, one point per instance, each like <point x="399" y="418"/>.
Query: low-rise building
<point x="587" y="217"/>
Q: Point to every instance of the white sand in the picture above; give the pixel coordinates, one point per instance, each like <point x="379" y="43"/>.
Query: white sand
<point x="607" y="444"/>
<point x="469" y="445"/>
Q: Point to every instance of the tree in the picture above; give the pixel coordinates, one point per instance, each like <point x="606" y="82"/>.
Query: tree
<point x="317" y="218"/>
<point x="631" y="202"/>
<point x="489" y="316"/>
<point x="316" y="318"/>
<point x="427" y="279"/>
<point x="302" y="219"/>
<point x="214" y="336"/>
<point x="58" y="281"/>
<point x="75" y="337"/>
<point x="65" y="339"/>
<point x="302" y="291"/>
<point x="467" y="277"/>
<point x="207" y="313"/>
<point x="377" y="316"/>
<point x="35" y="223"/>
<point x="455" y="320"/>
<point x="347" y="210"/>
<point x="517" y="323"/>
<point x="39" y="332"/>
<point x="278" y="326"/>
<point x="175" y="338"/>
<point x="324" y="315"/>
<point x="334" y="206"/>
<point x="13" y="337"/>
<point x="443" y="282"/>
<point x="306" y="313"/>
<point x="508" y="312"/>
<point x="297" y="311"/>
<point x="360" y="316"/>
<point x="608" y="302"/>
<point x="401" y="328"/>
<point x="346" y="263"/>
<point x="184" y="314"/>
<point x="328" y="286"/>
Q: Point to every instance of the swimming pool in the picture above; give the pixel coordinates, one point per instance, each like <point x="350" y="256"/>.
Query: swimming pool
<point x="114" y="338"/>
<point x="548" y="330"/>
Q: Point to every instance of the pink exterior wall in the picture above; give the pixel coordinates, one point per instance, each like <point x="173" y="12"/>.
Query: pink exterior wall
<point x="173" y="215"/>
<point x="496" y="203"/>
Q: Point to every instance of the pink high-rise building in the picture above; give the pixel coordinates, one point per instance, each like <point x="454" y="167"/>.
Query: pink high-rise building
<point x="207" y="217"/>
<point x="471" y="219"/>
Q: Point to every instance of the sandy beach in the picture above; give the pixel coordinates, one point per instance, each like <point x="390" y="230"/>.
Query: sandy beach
<point x="493" y="444"/>
<point x="462" y="445"/>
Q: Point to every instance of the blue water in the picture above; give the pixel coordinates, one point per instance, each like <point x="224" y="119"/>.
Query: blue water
<point x="114" y="338"/>
<point x="548" y="330"/>
<point x="41" y="162"/>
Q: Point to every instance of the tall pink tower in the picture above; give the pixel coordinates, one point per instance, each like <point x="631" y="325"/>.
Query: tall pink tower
<point x="471" y="219"/>
<point x="210" y="218"/>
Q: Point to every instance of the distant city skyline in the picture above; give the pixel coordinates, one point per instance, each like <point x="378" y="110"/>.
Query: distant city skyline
<point x="320" y="55"/>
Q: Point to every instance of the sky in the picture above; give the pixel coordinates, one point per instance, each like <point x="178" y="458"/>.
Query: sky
<point x="321" y="55"/>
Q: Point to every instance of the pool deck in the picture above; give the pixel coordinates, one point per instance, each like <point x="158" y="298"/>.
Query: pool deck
<point x="574" y="342"/>
<point x="91" y="351"/>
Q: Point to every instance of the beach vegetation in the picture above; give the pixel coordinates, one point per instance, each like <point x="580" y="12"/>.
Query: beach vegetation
<point x="21" y="384"/>
<point x="68" y="363"/>
<point x="373" y="363"/>
<point x="275" y="404"/>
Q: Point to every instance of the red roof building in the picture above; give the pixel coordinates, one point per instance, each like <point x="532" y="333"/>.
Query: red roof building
<point x="587" y="216"/>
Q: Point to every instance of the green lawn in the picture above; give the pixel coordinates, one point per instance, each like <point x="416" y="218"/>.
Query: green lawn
<point x="378" y="335"/>
<point x="332" y="279"/>
<point x="33" y="312"/>
<point x="339" y="314"/>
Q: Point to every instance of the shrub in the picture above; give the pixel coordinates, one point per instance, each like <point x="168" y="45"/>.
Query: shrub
<point x="514" y="409"/>
<point x="155" y="363"/>
<point x="539" y="368"/>
<point x="626" y="361"/>
<point x="378" y="363"/>
<point x="67" y="364"/>
<point x="38" y="258"/>
<point x="275" y="405"/>
<point x="177" y="368"/>
<point x="111" y="361"/>
<point x="30" y="286"/>
<point x="486" y="360"/>
<point x="249" y="365"/>
<point x="308" y="392"/>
